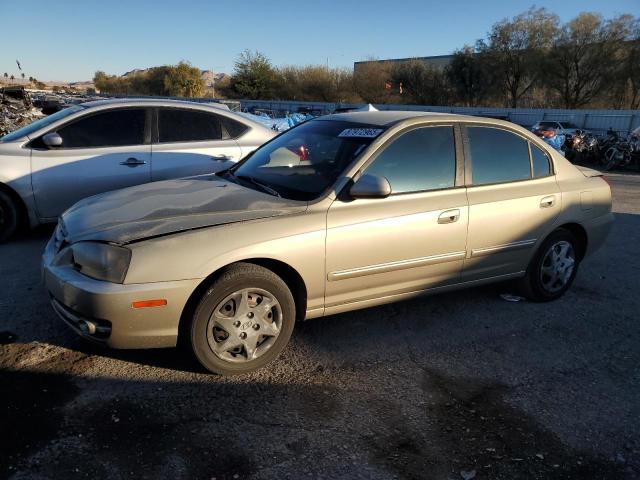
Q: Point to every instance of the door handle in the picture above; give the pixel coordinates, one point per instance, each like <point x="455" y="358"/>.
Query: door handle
<point x="547" y="202"/>
<point x="221" y="158"/>
<point x="133" y="162"/>
<point x="449" y="216"/>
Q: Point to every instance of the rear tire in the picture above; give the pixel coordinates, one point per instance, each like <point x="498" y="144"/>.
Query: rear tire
<point x="8" y="217"/>
<point x="553" y="268"/>
<point x="243" y="321"/>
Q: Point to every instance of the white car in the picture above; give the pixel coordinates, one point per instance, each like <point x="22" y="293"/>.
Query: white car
<point x="561" y="128"/>
<point x="105" y="145"/>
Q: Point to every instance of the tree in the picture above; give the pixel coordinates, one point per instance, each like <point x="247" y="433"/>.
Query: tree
<point x="369" y="80"/>
<point x="12" y="77"/>
<point x="586" y="57"/>
<point x="469" y="77"/>
<point x="254" y="76"/>
<point x="183" y="80"/>
<point x="514" y="49"/>
<point x="421" y="83"/>
<point x="6" y="75"/>
<point x="22" y="74"/>
<point x="630" y="71"/>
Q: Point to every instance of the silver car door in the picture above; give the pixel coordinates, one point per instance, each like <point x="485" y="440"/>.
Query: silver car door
<point x="190" y="142"/>
<point x="101" y="151"/>
<point x="410" y="241"/>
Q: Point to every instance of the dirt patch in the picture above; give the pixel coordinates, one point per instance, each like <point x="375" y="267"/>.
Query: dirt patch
<point x="467" y="427"/>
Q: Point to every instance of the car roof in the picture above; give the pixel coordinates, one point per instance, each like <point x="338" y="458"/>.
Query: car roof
<point x="155" y="102"/>
<point x="386" y="118"/>
<point x="219" y="108"/>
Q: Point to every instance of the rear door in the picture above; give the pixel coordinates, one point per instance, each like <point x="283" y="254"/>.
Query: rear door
<point x="191" y="142"/>
<point x="513" y="199"/>
<point x="102" y="151"/>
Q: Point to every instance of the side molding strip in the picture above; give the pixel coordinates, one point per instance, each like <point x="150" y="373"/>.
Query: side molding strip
<point x="479" y="252"/>
<point x="392" y="266"/>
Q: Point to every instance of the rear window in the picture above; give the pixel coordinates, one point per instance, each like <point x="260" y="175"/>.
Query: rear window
<point x="175" y="125"/>
<point x="497" y="156"/>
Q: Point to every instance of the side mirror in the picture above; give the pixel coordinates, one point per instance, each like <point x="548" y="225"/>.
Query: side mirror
<point x="370" y="186"/>
<point x="52" y="140"/>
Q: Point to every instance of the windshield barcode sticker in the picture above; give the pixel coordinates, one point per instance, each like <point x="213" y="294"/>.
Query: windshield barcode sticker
<point x="361" y="132"/>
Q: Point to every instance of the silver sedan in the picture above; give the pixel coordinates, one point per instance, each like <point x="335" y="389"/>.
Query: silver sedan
<point x="104" y="145"/>
<point x="340" y="213"/>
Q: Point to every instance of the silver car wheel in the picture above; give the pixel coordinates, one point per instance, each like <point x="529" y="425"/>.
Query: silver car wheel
<point x="557" y="266"/>
<point x="244" y="325"/>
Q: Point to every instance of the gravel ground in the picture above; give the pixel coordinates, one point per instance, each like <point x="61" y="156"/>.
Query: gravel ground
<point x="458" y="386"/>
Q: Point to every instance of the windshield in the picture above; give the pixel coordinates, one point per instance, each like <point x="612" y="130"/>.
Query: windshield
<point x="303" y="162"/>
<point x="38" y="124"/>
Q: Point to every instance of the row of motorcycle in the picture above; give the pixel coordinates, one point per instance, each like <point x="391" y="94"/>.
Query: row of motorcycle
<point x="608" y="151"/>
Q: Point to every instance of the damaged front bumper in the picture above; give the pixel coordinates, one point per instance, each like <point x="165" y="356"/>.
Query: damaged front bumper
<point x="103" y="312"/>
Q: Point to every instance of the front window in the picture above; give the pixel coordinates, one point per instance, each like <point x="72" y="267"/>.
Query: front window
<point x="112" y="128"/>
<point x="38" y="124"/>
<point x="303" y="162"/>
<point x="419" y="160"/>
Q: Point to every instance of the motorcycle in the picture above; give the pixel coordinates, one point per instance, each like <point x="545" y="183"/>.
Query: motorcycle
<point x="623" y="154"/>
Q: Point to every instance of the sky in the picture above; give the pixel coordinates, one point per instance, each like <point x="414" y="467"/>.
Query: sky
<point x="69" y="40"/>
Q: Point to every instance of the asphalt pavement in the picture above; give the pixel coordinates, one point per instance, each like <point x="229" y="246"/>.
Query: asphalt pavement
<point x="457" y="386"/>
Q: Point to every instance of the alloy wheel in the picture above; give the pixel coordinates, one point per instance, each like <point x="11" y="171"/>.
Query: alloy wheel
<point x="244" y="325"/>
<point x="557" y="266"/>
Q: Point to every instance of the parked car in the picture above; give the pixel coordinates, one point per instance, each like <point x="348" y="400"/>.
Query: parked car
<point x="561" y="128"/>
<point x="94" y="147"/>
<point x="342" y="212"/>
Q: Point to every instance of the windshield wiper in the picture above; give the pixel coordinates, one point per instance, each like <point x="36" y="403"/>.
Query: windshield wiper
<point x="262" y="186"/>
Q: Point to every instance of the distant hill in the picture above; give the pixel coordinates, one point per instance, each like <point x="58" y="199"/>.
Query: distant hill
<point x="207" y="76"/>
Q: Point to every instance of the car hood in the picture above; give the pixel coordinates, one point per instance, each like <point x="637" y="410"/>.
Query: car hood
<point x="161" y="208"/>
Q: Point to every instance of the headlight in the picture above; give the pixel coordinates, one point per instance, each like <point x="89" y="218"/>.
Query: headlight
<point x="101" y="260"/>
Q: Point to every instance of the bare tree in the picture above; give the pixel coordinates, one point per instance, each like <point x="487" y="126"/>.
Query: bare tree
<point x="421" y="83"/>
<point x="586" y="57"/>
<point x="468" y="77"/>
<point x="514" y="49"/>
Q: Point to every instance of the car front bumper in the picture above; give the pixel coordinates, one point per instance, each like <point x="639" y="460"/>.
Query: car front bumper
<point x="103" y="312"/>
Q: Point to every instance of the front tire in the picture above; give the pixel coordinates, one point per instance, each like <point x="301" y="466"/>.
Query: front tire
<point x="8" y="217"/>
<point x="553" y="268"/>
<point x="243" y="321"/>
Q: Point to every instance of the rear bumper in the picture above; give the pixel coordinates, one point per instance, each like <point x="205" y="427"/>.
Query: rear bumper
<point x="103" y="312"/>
<point x="597" y="231"/>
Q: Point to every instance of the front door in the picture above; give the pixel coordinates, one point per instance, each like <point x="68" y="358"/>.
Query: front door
<point x="412" y="240"/>
<point x="191" y="142"/>
<point x="102" y="151"/>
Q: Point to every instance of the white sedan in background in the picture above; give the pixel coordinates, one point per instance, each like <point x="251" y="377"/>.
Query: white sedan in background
<point x="561" y="128"/>
<point x="105" y="145"/>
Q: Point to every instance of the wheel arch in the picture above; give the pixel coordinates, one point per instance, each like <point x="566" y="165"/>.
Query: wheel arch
<point x="289" y="275"/>
<point x="579" y="232"/>
<point x="23" y="211"/>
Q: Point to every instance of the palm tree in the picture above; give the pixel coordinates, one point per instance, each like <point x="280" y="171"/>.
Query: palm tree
<point x="12" y="77"/>
<point x="22" y="76"/>
<point x="6" y="75"/>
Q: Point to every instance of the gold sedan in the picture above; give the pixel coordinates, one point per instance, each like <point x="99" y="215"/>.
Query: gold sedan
<point x="340" y="213"/>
